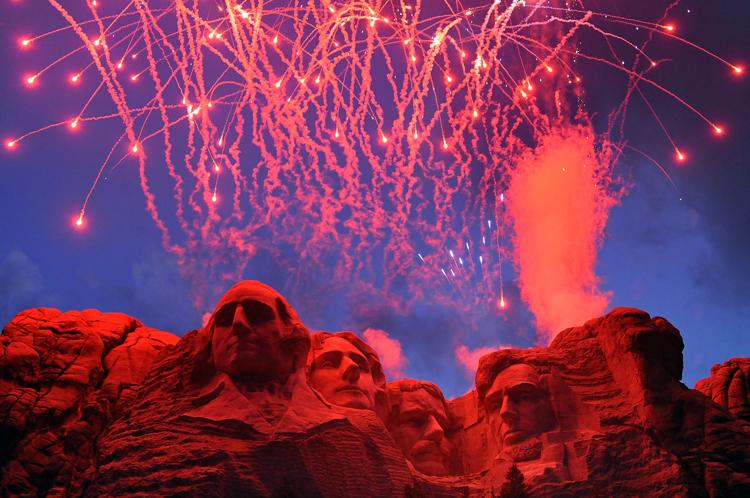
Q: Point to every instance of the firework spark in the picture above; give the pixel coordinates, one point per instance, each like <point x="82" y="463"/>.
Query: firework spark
<point x="350" y="136"/>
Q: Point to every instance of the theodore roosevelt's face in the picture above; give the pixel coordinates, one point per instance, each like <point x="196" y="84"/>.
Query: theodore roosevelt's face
<point x="419" y="430"/>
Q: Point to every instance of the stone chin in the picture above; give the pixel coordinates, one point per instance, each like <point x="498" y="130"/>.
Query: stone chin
<point x="515" y="437"/>
<point x="428" y="459"/>
<point x="430" y="467"/>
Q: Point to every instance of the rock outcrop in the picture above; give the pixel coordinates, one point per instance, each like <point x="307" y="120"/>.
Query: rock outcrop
<point x="64" y="377"/>
<point x="623" y="423"/>
<point x="729" y="387"/>
<point x="95" y="404"/>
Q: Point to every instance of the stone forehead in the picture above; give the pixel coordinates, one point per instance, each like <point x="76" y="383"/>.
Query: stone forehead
<point x="408" y="394"/>
<point x="496" y="362"/>
<point x="319" y="339"/>
<point x="251" y="289"/>
<point x="257" y="291"/>
<point x="339" y="344"/>
<point x="421" y="399"/>
<point x="410" y="385"/>
<point x="514" y="375"/>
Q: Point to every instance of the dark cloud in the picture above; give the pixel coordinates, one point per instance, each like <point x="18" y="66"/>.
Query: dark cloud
<point x="157" y="295"/>
<point x="21" y="286"/>
<point x="723" y="200"/>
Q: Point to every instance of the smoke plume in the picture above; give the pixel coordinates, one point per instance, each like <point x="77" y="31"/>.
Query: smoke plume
<point x="558" y="199"/>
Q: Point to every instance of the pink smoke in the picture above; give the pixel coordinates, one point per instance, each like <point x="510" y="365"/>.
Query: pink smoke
<point x="389" y="350"/>
<point x="559" y="198"/>
<point x="469" y="358"/>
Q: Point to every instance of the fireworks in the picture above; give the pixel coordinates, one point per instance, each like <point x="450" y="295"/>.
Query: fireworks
<point x="343" y="136"/>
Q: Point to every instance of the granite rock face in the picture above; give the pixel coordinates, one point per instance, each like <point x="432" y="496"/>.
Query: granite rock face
<point x="622" y="423"/>
<point x="63" y="378"/>
<point x="729" y="387"/>
<point x="95" y="404"/>
<point x="229" y="431"/>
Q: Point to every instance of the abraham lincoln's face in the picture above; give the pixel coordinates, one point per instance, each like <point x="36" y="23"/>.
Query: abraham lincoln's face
<point x="517" y="406"/>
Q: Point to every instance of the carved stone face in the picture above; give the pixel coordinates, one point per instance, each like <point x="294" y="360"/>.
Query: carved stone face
<point x="419" y="430"/>
<point x="517" y="406"/>
<point x="341" y="373"/>
<point x="248" y="326"/>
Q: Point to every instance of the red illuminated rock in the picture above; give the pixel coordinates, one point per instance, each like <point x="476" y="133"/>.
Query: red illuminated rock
<point x="421" y="426"/>
<point x="230" y="431"/>
<point x="347" y="372"/>
<point x="606" y="415"/>
<point x="729" y="387"/>
<point x="63" y="378"/>
<point x="94" y="404"/>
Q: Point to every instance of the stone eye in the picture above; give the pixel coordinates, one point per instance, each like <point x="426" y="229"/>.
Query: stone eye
<point x="327" y="363"/>
<point x="362" y="364"/>
<point x="417" y="421"/>
<point x="225" y="315"/>
<point x="257" y="313"/>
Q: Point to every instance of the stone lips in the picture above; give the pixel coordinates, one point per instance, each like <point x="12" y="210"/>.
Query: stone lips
<point x="96" y="404"/>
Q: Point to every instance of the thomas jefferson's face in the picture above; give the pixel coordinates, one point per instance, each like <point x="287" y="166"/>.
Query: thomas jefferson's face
<point x="419" y="430"/>
<point x="341" y="373"/>
<point x="246" y="340"/>
<point x="517" y="407"/>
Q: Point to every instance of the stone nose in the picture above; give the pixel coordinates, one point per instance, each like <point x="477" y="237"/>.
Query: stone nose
<point x="508" y="410"/>
<point x="433" y="430"/>
<point x="350" y="370"/>
<point x="240" y="318"/>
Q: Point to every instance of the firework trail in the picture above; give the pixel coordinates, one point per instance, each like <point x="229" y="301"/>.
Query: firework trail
<point x="371" y="142"/>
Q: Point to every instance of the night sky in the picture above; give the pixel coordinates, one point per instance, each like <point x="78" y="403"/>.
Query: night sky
<point x="677" y="252"/>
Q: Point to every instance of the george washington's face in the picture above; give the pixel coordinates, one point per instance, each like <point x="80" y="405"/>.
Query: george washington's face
<point x="342" y="375"/>
<point x="517" y="406"/>
<point x="247" y="337"/>
<point x="419" y="430"/>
